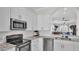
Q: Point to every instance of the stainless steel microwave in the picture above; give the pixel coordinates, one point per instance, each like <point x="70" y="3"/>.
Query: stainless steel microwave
<point x="16" y="24"/>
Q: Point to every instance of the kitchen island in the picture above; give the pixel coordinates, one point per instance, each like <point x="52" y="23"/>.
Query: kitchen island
<point x="41" y="43"/>
<point x="49" y="43"/>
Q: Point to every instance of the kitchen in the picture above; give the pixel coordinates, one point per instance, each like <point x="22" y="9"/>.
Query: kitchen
<point x="41" y="28"/>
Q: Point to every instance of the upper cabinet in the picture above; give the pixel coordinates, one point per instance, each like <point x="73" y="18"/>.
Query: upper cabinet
<point x="4" y="19"/>
<point x="14" y="13"/>
<point x="44" y="22"/>
<point x="19" y="13"/>
<point x="25" y="14"/>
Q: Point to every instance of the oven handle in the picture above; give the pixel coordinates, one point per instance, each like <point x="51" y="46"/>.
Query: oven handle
<point x="24" y="44"/>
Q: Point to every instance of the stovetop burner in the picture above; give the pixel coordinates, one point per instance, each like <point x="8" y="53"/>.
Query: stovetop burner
<point x="16" y="39"/>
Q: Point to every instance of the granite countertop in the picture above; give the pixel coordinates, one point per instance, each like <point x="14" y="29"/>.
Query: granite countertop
<point x="6" y="46"/>
<point x="35" y="37"/>
<point x="71" y="38"/>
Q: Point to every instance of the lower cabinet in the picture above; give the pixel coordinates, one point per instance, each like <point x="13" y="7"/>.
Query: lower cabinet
<point x="37" y="44"/>
<point x="57" y="45"/>
<point x="48" y="44"/>
<point x="42" y="44"/>
<point x="67" y="45"/>
<point x="76" y="46"/>
<point x="63" y="45"/>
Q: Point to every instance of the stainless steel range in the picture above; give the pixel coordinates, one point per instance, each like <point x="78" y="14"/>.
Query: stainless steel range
<point x="21" y="44"/>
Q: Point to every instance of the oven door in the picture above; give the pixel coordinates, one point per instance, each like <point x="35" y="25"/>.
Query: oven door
<point x="24" y="47"/>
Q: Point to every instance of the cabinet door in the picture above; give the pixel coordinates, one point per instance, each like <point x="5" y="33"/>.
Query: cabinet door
<point x="76" y="46"/>
<point x="67" y="45"/>
<point x="43" y="22"/>
<point x="34" y="45"/>
<point x="14" y="12"/>
<point x="57" y="45"/>
<point x="37" y="44"/>
<point x="63" y="45"/>
<point x="4" y="18"/>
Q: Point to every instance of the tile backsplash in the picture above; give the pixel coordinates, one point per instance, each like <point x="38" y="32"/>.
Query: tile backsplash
<point x="26" y="34"/>
<point x="3" y="34"/>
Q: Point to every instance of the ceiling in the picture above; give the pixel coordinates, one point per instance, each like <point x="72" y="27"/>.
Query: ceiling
<point x="57" y="13"/>
<point x="43" y="10"/>
<point x="49" y="10"/>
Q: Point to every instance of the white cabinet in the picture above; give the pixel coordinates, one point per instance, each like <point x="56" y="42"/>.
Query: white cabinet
<point x="4" y="19"/>
<point x="76" y="46"/>
<point x="6" y="13"/>
<point x="67" y="45"/>
<point x="18" y="13"/>
<point x="14" y="12"/>
<point x="63" y="45"/>
<point x="25" y="14"/>
<point x="44" y="22"/>
<point x="37" y="44"/>
<point x="57" y="45"/>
